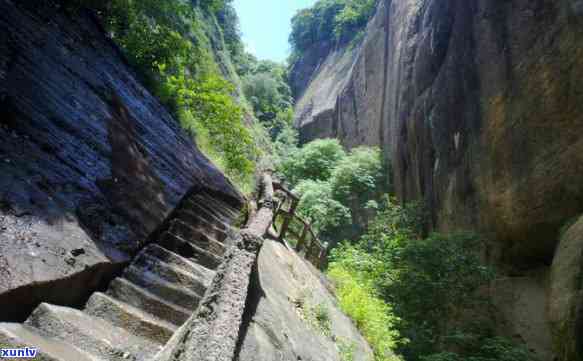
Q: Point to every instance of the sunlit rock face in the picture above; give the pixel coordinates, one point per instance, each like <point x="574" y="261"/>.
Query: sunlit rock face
<point x="477" y="105"/>
<point x="90" y="162"/>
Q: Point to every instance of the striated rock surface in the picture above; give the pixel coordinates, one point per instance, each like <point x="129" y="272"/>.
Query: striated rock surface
<point x="90" y="162"/>
<point x="477" y="105"/>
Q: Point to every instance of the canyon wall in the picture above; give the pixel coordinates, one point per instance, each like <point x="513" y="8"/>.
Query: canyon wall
<point x="90" y="163"/>
<point x="477" y="105"/>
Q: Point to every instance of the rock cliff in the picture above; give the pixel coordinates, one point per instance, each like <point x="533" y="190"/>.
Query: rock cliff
<point x="90" y="163"/>
<point x="477" y="106"/>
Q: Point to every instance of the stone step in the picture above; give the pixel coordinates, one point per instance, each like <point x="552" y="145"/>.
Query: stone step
<point x="190" y="251"/>
<point x="208" y="211"/>
<point x="176" y="262"/>
<point x="221" y="204"/>
<point x="218" y="231"/>
<point x="125" y="291"/>
<point x="14" y="335"/>
<point x="195" y="210"/>
<point x="90" y="334"/>
<point x="198" y="238"/>
<point x="172" y="274"/>
<point x="146" y="277"/>
<point x="130" y="318"/>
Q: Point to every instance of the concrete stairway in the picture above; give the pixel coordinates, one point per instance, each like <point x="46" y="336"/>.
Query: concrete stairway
<point x="140" y="310"/>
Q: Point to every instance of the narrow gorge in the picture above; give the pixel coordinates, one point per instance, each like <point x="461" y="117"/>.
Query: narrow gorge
<point x="431" y="149"/>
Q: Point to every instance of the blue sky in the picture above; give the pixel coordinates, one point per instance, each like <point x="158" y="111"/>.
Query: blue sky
<point x="265" y="25"/>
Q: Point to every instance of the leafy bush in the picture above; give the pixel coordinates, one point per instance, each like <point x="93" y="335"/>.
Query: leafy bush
<point x="207" y="106"/>
<point x="315" y="161"/>
<point x="265" y="86"/>
<point x="346" y="349"/>
<point x="433" y="281"/>
<point x="339" y="190"/>
<point x="323" y="212"/>
<point x="358" y="181"/>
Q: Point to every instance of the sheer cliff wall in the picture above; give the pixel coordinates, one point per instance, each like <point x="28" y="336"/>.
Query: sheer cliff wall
<point x="477" y="105"/>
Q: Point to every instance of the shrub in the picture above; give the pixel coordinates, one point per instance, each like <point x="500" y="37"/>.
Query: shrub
<point x="358" y="181"/>
<point x="323" y="212"/>
<point x="315" y="161"/>
<point x="430" y="282"/>
<point x="372" y="316"/>
<point x="207" y="107"/>
<point x="266" y="88"/>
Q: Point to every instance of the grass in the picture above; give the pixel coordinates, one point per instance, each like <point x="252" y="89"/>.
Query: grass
<point x="373" y="317"/>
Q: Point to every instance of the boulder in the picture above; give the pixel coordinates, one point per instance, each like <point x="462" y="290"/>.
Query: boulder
<point x="565" y="306"/>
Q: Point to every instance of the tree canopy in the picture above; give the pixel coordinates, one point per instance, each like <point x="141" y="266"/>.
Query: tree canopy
<point x="329" y="20"/>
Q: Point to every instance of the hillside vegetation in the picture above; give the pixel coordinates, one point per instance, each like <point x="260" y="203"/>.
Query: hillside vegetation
<point x="190" y="56"/>
<point x="331" y="21"/>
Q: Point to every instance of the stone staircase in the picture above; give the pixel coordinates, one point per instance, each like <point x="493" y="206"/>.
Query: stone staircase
<point x="143" y="307"/>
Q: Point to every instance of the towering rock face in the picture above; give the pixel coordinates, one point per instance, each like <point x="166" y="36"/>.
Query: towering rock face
<point x="90" y="162"/>
<point x="478" y="107"/>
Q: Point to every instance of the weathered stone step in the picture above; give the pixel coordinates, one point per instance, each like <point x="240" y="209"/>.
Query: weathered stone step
<point x="90" y="334"/>
<point x="189" y="250"/>
<point x="197" y="211"/>
<point x="208" y="212"/>
<point x="14" y="335"/>
<point x="125" y="291"/>
<point x="171" y="292"/>
<point x="190" y="234"/>
<point x="174" y="261"/>
<point x="218" y="231"/>
<point x="172" y="274"/>
<point x="218" y="203"/>
<point x="130" y="318"/>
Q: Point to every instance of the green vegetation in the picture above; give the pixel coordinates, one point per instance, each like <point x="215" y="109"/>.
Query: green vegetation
<point x="329" y="21"/>
<point x="338" y="189"/>
<point x="346" y="349"/>
<point x="373" y="317"/>
<point x="207" y="110"/>
<point x="409" y="293"/>
<point x="427" y="287"/>
<point x="266" y="88"/>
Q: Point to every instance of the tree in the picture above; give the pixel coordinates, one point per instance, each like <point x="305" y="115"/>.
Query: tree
<point x="315" y="161"/>
<point x="357" y="181"/>
<point x="266" y="88"/>
<point x="329" y="21"/>
<point x="323" y="212"/>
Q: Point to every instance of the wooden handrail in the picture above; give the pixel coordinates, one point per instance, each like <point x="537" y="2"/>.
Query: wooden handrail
<point x="315" y="245"/>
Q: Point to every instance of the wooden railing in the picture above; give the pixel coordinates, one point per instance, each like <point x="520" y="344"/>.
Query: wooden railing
<point x="291" y="226"/>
